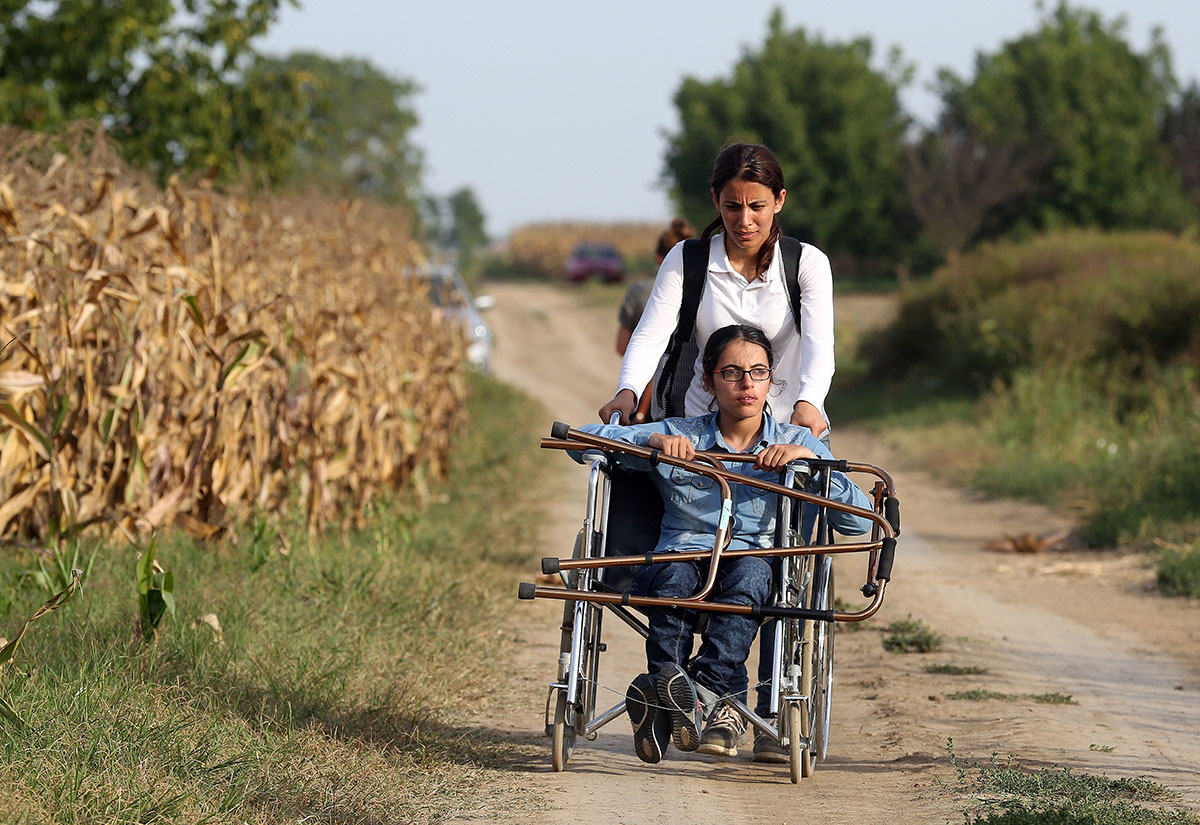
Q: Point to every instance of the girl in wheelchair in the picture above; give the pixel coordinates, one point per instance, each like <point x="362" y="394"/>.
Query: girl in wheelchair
<point x="678" y="692"/>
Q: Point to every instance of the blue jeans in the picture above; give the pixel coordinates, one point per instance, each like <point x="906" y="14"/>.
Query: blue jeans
<point x="727" y="639"/>
<point x="739" y="684"/>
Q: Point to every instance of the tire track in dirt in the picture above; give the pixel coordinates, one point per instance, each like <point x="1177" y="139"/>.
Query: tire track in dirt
<point x="1079" y="625"/>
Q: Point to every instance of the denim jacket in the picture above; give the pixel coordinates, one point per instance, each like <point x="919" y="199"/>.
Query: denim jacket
<point x="693" y="501"/>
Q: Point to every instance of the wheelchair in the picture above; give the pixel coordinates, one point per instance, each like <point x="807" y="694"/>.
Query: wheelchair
<point x="596" y="579"/>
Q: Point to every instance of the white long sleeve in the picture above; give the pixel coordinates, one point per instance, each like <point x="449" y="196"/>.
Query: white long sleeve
<point x="804" y="365"/>
<point x="653" y="332"/>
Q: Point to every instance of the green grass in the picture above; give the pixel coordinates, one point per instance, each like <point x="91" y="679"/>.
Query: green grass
<point x="337" y="690"/>
<point x="911" y="635"/>
<point x="956" y="670"/>
<point x="1004" y="793"/>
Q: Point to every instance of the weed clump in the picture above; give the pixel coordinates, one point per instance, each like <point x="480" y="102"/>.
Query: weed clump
<point x="911" y="635"/>
<point x="1054" y="699"/>
<point x="979" y="695"/>
<point x="983" y="695"/>
<point x="956" y="670"/>
<point x="1003" y="793"/>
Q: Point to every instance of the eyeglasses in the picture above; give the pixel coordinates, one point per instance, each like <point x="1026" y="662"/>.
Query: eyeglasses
<point x="734" y="374"/>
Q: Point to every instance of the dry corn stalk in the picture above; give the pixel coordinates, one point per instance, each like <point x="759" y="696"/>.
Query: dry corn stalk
<point x="181" y="357"/>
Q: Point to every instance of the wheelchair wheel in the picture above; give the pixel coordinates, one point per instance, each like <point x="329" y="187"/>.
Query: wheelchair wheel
<point x="796" y="751"/>
<point x="823" y="658"/>
<point x="564" y="733"/>
<point x="581" y="620"/>
<point x="808" y="713"/>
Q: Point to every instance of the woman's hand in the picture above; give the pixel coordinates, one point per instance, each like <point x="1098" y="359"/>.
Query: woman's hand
<point x="778" y="456"/>
<point x="676" y="446"/>
<point x="805" y="414"/>
<point x="624" y="402"/>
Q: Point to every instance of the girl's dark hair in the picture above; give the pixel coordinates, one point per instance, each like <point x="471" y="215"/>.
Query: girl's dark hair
<point x="754" y="163"/>
<point x="726" y="336"/>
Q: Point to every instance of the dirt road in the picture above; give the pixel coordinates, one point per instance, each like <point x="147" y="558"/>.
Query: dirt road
<point x="1082" y="624"/>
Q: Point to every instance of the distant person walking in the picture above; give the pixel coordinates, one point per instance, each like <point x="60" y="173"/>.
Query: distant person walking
<point x="744" y="284"/>
<point x="634" y="302"/>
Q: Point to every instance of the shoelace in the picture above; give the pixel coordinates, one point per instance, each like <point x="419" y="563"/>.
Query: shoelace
<point x="621" y="693"/>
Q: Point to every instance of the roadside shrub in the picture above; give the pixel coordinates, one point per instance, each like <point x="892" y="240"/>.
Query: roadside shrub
<point x="1082" y="350"/>
<point x="1079" y="298"/>
<point x="1179" y="572"/>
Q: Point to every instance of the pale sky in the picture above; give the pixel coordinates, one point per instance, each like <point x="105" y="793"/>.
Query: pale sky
<point x="557" y="110"/>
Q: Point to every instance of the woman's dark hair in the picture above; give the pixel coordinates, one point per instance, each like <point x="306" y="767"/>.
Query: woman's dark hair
<point x="754" y="163"/>
<point x="719" y="340"/>
<point x="679" y="230"/>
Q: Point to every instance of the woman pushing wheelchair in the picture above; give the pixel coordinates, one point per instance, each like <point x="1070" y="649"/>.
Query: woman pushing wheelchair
<point x="678" y="692"/>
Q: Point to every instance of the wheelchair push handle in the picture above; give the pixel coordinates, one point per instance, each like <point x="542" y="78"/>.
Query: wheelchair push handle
<point x="560" y="429"/>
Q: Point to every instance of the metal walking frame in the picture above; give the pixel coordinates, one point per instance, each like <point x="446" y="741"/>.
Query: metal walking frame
<point x="802" y="601"/>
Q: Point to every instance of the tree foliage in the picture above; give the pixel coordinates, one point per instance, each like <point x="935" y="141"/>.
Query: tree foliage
<point x="360" y="121"/>
<point x="834" y="122"/>
<point x="1181" y="131"/>
<point x="457" y="223"/>
<point x="178" y="83"/>
<point x="1076" y="92"/>
<point x="953" y="180"/>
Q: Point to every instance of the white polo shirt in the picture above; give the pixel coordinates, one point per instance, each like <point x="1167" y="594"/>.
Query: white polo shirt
<point x="803" y="364"/>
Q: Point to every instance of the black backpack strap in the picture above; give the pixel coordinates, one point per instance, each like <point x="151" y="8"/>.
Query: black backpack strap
<point x="695" y="272"/>
<point x="791" y="249"/>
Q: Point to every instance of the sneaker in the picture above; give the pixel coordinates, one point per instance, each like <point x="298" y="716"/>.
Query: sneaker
<point x="651" y="729"/>
<point x="720" y="737"/>
<point x="677" y="694"/>
<point x="766" y="749"/>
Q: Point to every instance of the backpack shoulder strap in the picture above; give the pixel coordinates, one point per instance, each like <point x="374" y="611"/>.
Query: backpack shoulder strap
<point x="791" y="249"/>
<point x="695" y="272"/>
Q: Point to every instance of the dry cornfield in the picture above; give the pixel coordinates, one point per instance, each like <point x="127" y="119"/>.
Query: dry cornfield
<point x="543" y="248"/>
<point x="183" y="357"/>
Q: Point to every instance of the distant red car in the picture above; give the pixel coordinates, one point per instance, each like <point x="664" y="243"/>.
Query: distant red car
<point x="595" y="259"/>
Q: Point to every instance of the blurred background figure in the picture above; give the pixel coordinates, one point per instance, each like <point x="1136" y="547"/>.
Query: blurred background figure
<point x="634" y="301"/>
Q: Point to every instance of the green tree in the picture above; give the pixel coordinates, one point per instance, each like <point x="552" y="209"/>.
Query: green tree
<point x="953" y="181"/>
<point x="360" y="123"/>
<point x="1076" y="93"/>
<point x="834" y="122"/>
<point x="1181" y="131"/>
<point x="457" y="223"/>
<point x="467" y="233"/>
<point x="178" y="84"/>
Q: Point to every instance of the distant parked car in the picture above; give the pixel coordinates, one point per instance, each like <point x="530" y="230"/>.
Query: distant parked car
<point x="595" y="259"/>
<point x="449" y="294"/>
